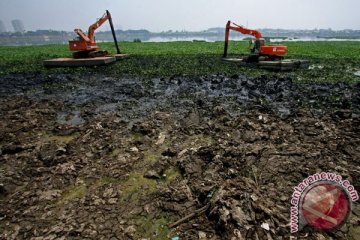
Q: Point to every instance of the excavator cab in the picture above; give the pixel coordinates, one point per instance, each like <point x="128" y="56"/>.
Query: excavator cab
<point x="256" y="48"/>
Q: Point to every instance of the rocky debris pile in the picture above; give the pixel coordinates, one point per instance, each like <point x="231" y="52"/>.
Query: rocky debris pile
<point x="246" y="177"/>
<point x="212" y="157"/>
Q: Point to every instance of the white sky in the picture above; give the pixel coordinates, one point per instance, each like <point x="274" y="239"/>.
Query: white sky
<point x="192" y="15"/>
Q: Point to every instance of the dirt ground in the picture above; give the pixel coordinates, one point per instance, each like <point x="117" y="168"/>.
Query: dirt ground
<point x="100" y="157"/>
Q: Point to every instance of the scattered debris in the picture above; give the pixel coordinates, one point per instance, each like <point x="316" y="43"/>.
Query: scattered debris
<point x="191" y="215"/>
<point x="265" y="226"/>
<point x="219" y="161"/>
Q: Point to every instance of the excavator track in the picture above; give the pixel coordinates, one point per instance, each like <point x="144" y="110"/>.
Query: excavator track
<point x="283" y="65"/>
<point x="276" y="65"/>
<point x="89" y="54"/>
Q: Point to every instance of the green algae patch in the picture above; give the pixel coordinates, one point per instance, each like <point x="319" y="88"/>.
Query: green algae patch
<point x="73" y="192"/>
<point x="60" y="139"/>
<point x="151" y="227"/>
<point x="107" y="180"/>
<point x="115" y="152"/>
<point x="136" y="185"/>
<point x="354" y="232"/>
<point x="154" y="154"/>
<point x="136" y="136"/>
<point x="198" y="141"/>
<point x="171" y="174"/>
<point x="339" y="58"/>
<point x="151" y="156"/>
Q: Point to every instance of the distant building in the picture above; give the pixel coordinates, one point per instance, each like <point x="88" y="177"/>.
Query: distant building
<point x="18" y="25"/>
<point x="2" y="27"/>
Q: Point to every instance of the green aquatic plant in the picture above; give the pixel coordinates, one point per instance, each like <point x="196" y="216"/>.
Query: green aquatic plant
<point x="339" y="60"/>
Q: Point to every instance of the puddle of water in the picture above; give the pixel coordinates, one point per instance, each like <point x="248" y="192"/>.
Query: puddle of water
<point x="281" y="110"/>
<point x="73" y="118"/>
<point x="314" y="66"/>
<point x="354" y="115"/>
<point x="109" y="107"/>
<point x="60" y="139"/>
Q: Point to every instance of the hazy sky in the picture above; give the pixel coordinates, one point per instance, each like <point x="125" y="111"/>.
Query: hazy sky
<point x="162" y="15"/>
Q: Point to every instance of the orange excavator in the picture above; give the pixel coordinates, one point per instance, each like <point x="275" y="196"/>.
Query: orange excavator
<point x="260" y="51"/>
<point x="85" y="45"/>
<point x="261" y="54"/>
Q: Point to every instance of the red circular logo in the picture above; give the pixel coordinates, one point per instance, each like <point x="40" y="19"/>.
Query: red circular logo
<point x="325" y="206"/>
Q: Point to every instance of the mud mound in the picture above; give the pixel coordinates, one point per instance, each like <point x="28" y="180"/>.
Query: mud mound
<point x="213" y="157"/>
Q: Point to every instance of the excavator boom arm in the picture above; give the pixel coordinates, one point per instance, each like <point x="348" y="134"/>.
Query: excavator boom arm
<point x="82" y="35"/>
<point x="260" y="48"/>
<point x="243" y="30"/>
<point x="96" y="25"/>
<point x="238" y="28"/>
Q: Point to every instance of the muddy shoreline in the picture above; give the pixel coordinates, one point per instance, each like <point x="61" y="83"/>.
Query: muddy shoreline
<point x="99" y="157"/>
